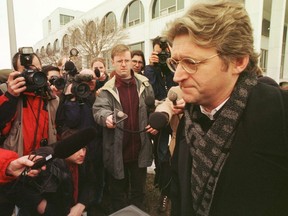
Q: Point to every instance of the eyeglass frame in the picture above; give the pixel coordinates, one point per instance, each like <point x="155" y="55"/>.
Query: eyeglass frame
<point x="195" y="62"/>
<point x="135" y="62"/>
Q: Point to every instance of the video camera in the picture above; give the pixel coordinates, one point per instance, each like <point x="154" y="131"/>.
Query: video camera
<point x="164" y="54"/>
<point x="80" y="88"/>
<point x="34" y="78"/>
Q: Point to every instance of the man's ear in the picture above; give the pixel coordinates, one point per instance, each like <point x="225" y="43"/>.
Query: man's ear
<point x="241" y="64"/>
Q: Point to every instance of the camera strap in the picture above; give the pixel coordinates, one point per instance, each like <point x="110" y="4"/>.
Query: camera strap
<point x="37" y="118"/>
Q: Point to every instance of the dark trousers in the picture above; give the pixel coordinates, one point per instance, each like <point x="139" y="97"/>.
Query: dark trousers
<point x="162" y="160"/>
<point x="131" y="189"/>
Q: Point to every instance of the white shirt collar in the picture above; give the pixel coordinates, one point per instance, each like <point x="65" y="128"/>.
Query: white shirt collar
<point x="211" y="114"/>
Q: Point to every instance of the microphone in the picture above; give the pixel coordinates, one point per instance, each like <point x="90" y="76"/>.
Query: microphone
<point x="150" y="103"/>
<point x="66" y="147"/>
<point x="173" y="97"/>
<point x="158" y="120"/>
<point x="119" y="116"/>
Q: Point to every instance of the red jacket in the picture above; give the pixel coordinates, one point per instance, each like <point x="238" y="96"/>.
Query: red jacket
<point x="6" y="157"/>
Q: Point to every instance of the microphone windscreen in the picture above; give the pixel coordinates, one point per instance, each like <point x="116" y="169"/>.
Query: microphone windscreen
<point x="158" y="120"/>
<point x="68" y="146"/>
<point x="172" y="96"/>
<point x="69" y="66"/>
<point x="150" y="101"/>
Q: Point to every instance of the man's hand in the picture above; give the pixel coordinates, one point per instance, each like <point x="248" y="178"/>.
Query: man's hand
<point x="151" y="130"/>
<point x="17" y="166"/>
<point x="109" y="122"/>
<point x="179" y="107"/>
<point x="153" y="58"/>
<point x="77" y="210"/>
<point x="16" y="86"/>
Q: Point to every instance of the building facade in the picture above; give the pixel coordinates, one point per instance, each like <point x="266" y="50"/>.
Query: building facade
<point x="143" y="20"/>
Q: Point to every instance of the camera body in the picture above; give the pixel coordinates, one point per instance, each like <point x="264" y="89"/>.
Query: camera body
<point x="58" y="82"/>
<point x="164" y="54"/>
<point x="80" y="88"/>
<point x="34" y="78"/>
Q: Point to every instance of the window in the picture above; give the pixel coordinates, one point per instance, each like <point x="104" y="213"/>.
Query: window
<point x="49" y="26"/>
<point x="134" y="14"/>
<point x="265" y="27"/>
<point x="137" y="46"/>
<point x="65" y="43"/>
<point x="56" y="45"/>
<point x="75" y="37"/>
<point x="164" y="7"/>
<point x="263" y="60"/>
<point x="49" y="50"/>
<point x="109" y="23"/>
<point x="91" y="32"/>
<point x="64" y="19"/>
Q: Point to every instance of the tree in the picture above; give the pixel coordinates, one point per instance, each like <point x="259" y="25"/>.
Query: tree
<point x="93" y="37"/>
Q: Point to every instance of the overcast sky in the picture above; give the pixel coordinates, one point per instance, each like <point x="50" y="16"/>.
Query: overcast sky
<point x="28" y="21"/>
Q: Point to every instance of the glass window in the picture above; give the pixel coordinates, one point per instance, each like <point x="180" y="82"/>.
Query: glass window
<point x="263" y="60"/>
<point x="49" y="26"/>
<point x="56" y="45"/>
<point x="134" y="14"/>
<point x="110" y="23"/>
<point x="90" y="31"/>
<point x="64" y="19"/>
<point x="76" y="37"/>
<point x="65" y="43"/>
<point x="137" y="46"/>
<point x="163" y="7"/>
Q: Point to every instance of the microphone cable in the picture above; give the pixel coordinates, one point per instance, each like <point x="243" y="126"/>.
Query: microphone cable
<point x="131" y="131"/>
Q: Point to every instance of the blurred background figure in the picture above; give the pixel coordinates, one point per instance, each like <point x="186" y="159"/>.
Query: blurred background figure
<point x="99" y="68"/>
<point x="138" y="61"/>
<point x="161" y="79"/>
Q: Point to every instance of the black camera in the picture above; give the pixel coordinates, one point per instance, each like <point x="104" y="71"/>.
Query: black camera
<point x="79" y="87"/>
<point x="58" y="82"/>
<point x="34" y="78"/>
<point x="164" y="54"/>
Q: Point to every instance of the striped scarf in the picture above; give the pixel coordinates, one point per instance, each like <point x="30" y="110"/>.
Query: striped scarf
<point x="210" y="150"/>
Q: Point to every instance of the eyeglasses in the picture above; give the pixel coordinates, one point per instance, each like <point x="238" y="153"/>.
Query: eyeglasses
<point x="188" y="64"/>
<point x="120" y="62"/>
<point x="135" y="62"/>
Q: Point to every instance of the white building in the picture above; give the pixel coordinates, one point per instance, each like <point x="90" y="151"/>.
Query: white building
<point x="143" y="20"/>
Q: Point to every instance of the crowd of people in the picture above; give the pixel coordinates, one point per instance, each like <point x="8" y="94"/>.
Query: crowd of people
<point x="222" y="150"/>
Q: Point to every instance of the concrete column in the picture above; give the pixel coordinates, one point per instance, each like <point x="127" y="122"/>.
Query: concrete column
<point x="255" y="11"/>
<point x="11" y="25"/>
<point x="276" y="39"/>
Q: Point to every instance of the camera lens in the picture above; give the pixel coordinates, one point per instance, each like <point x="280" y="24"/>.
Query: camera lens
<point x="81" y="90"/>
<point x="59" y="83"/>
<point x="39" y="79"/>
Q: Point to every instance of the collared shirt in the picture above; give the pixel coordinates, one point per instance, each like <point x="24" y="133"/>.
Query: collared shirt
<point x="211" y="114"/>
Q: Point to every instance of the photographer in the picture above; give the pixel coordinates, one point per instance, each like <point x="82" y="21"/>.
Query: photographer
<point x="56" y="82"/>
<point x="76" y="113"/>
<point x="27" y="109"/>
<point x="99" y="68"/>
<point x="159" y="75"/>
<point x="161" y="79"/>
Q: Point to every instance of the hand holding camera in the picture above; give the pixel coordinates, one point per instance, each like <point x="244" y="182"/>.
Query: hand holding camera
<point x="16" y="84"/>
<point x="160" y="54"/>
